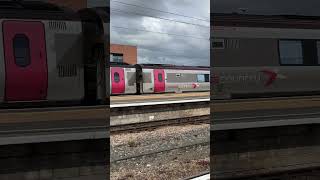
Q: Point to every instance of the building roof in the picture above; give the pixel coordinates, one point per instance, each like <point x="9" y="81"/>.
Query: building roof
<point x="113" y="44"/>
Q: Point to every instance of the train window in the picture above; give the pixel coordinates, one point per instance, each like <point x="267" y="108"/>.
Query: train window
<point x="146" y="76"/>
<point x="290" y="52"/>
<point x="217" y="44"/>
<point x="116" y="77"/>
<point x="206" y="78"/>
<point x="131" y="78"/>
<point x="200" y="77"/>
<point x="21" y="50"/>
<point x="160" y="77"/>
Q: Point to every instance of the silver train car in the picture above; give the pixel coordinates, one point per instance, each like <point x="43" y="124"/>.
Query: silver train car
<point x="51" y="55"/>
<point x="256" y="55"/>
<point x="157" y="78"/>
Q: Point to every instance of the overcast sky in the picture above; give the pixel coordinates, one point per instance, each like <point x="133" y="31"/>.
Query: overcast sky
<point x="193" y="49"/>
<point x="295" y="7"/>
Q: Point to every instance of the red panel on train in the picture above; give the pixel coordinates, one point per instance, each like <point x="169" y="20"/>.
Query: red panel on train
<point x="118" y="83"/>
<point x="159" y="80"/>
<point x="25" y="61"/>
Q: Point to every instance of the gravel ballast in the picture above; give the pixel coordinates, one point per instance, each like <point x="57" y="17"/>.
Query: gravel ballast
<point x="174" y="164"/>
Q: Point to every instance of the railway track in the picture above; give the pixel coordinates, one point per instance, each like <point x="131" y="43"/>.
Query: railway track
<point x="190" y="145"/>
<point x="136" y="127"/>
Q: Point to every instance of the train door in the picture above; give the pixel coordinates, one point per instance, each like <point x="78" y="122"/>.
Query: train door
<point x="118" y="83"/>
<point x="159" y="80"/>
<point x="25" y="61"/>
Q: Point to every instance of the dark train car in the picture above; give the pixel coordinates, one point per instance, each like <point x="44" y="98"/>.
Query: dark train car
<point x="256" y="55"/>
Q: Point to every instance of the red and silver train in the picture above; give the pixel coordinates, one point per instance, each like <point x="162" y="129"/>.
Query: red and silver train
<point x="157" y="78"/>
<point x="52" y="55"/>
<point x="257" y="55"/>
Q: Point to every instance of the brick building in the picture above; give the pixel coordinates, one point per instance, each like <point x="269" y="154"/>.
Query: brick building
<point x="123" y="53"/>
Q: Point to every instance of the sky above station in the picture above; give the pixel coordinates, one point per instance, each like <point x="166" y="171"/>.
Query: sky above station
<point x="164" y="31"/>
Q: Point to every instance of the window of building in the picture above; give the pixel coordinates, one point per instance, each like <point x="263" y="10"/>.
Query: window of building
<point x="116" y="77"/>
<point x="116" y="57"/>
<point x="291" y="52"/>
<point x="21" y="50"/>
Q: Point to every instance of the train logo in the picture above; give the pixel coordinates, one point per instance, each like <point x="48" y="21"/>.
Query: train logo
<point x="195" y="85"/>
<point x="272" y="76"/>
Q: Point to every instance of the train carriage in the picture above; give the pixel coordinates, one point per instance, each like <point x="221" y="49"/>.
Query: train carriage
<point x="160" y="78"/>
<point x="186" y="80"/>
<point x="34" y="64"/>
<point x="39" y="54"/>
<point x="256" y="55"/>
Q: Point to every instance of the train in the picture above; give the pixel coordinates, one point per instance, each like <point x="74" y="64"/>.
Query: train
<point x="157" y="78"/>
<point x="52" y="55"/>
<point x="264" y="55"/>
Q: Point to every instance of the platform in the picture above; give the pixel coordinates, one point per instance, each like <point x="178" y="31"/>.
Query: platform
<point x="156" y="98"/>
<point x="34" y="125"/>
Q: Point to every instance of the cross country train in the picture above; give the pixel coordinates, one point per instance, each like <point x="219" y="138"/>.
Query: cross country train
<point x="263" y="55"/>
<point x="157" y="78"/>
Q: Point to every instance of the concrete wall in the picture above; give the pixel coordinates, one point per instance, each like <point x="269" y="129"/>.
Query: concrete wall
<point x="129" y="52"/>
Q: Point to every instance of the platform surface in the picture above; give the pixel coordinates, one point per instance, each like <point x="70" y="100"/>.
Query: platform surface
<point x="149" y="98"/>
